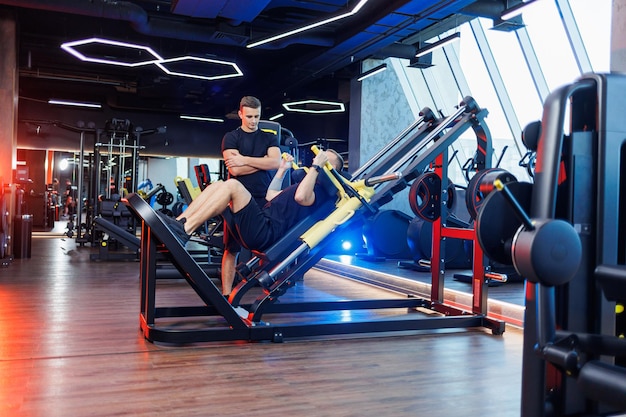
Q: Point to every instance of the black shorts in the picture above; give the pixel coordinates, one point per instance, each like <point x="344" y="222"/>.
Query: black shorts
<point x="248" y="227"/>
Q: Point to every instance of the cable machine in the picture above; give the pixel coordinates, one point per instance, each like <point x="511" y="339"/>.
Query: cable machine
<point x="115" y="159"/>
<point x="566" y="235"/>
<point x="114" y="165"/>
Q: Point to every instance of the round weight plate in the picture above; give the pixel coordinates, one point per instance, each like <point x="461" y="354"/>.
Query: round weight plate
<point x="481" y="185"/>
<point x="451" y="195"/>
<point x="178" y="208"/>
<point x="419" y="238"/>
<point x="425" y="196"/>
<point x="420" y="241"/>
<point x="165" y="198"/>
<point x="386" y="234"/>
<point x="497" y="222"/>
<point x="550" y="254"/>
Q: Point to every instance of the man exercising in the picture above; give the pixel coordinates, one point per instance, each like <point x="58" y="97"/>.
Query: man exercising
<point x="257" y="227"/>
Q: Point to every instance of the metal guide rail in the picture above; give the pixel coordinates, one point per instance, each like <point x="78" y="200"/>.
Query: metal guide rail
<point x="285" y="262"/>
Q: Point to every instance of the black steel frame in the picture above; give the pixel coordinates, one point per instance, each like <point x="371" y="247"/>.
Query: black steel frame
<point x="579" y="178"/>
<point x="233" y="320"/>
<point x="119" y="235"/>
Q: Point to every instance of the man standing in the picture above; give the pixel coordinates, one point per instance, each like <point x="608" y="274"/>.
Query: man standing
<point x="69" y="199"/>
<point x="249" y="153"/>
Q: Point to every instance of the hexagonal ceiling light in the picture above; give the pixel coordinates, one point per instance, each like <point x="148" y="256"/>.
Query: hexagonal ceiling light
<point x="315" y="106"/>
<point x="71" y="47"/>
<point x="96" y="49"/>
<point x="236" y="72"/>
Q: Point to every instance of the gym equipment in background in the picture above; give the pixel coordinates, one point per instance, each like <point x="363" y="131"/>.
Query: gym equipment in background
<point x="566" y="235"/>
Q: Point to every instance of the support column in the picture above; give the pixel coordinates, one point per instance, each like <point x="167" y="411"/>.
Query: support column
<point x="618" y="36"/>
<point x="8" y="115"/>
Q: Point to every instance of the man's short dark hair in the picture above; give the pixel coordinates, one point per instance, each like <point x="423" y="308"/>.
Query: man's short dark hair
<point x="249" y="101"/>
<point x="339" y="158"/>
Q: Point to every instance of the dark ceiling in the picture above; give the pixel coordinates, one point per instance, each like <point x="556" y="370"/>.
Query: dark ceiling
<point x="315" y="64"/>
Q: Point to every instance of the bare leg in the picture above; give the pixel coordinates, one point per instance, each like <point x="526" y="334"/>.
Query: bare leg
<point x="213" y="200"/>
<point x="228" y="271"/>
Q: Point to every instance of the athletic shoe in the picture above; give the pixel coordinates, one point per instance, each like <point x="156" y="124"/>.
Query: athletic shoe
<point x="176" y="227"/>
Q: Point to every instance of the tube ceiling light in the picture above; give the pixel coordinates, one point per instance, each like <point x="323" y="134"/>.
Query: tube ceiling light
<point x="201" y="118"/>
<point x="373" y="71"/>
<point x="440" y="43"/>
<point x="75" y="103"/>
<point x="515" y="10"/>
<point x="354" y="11"/>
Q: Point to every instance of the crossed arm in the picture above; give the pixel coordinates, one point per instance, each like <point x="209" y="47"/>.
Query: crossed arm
<point x="239" y="164"/>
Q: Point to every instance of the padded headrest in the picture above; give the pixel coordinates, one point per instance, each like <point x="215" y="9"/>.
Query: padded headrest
<point x="327" y="184"/>
<point x="298" y="175"/>
<point x="531" y="134"/>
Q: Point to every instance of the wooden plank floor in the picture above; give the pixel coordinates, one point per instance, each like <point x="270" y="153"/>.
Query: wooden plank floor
<point x="70" y="346"/>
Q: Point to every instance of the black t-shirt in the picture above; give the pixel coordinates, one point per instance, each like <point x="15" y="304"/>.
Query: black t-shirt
<point x="284" y="212"/>
<point x="70" y="191"/>
<point x="253" y="144"/>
